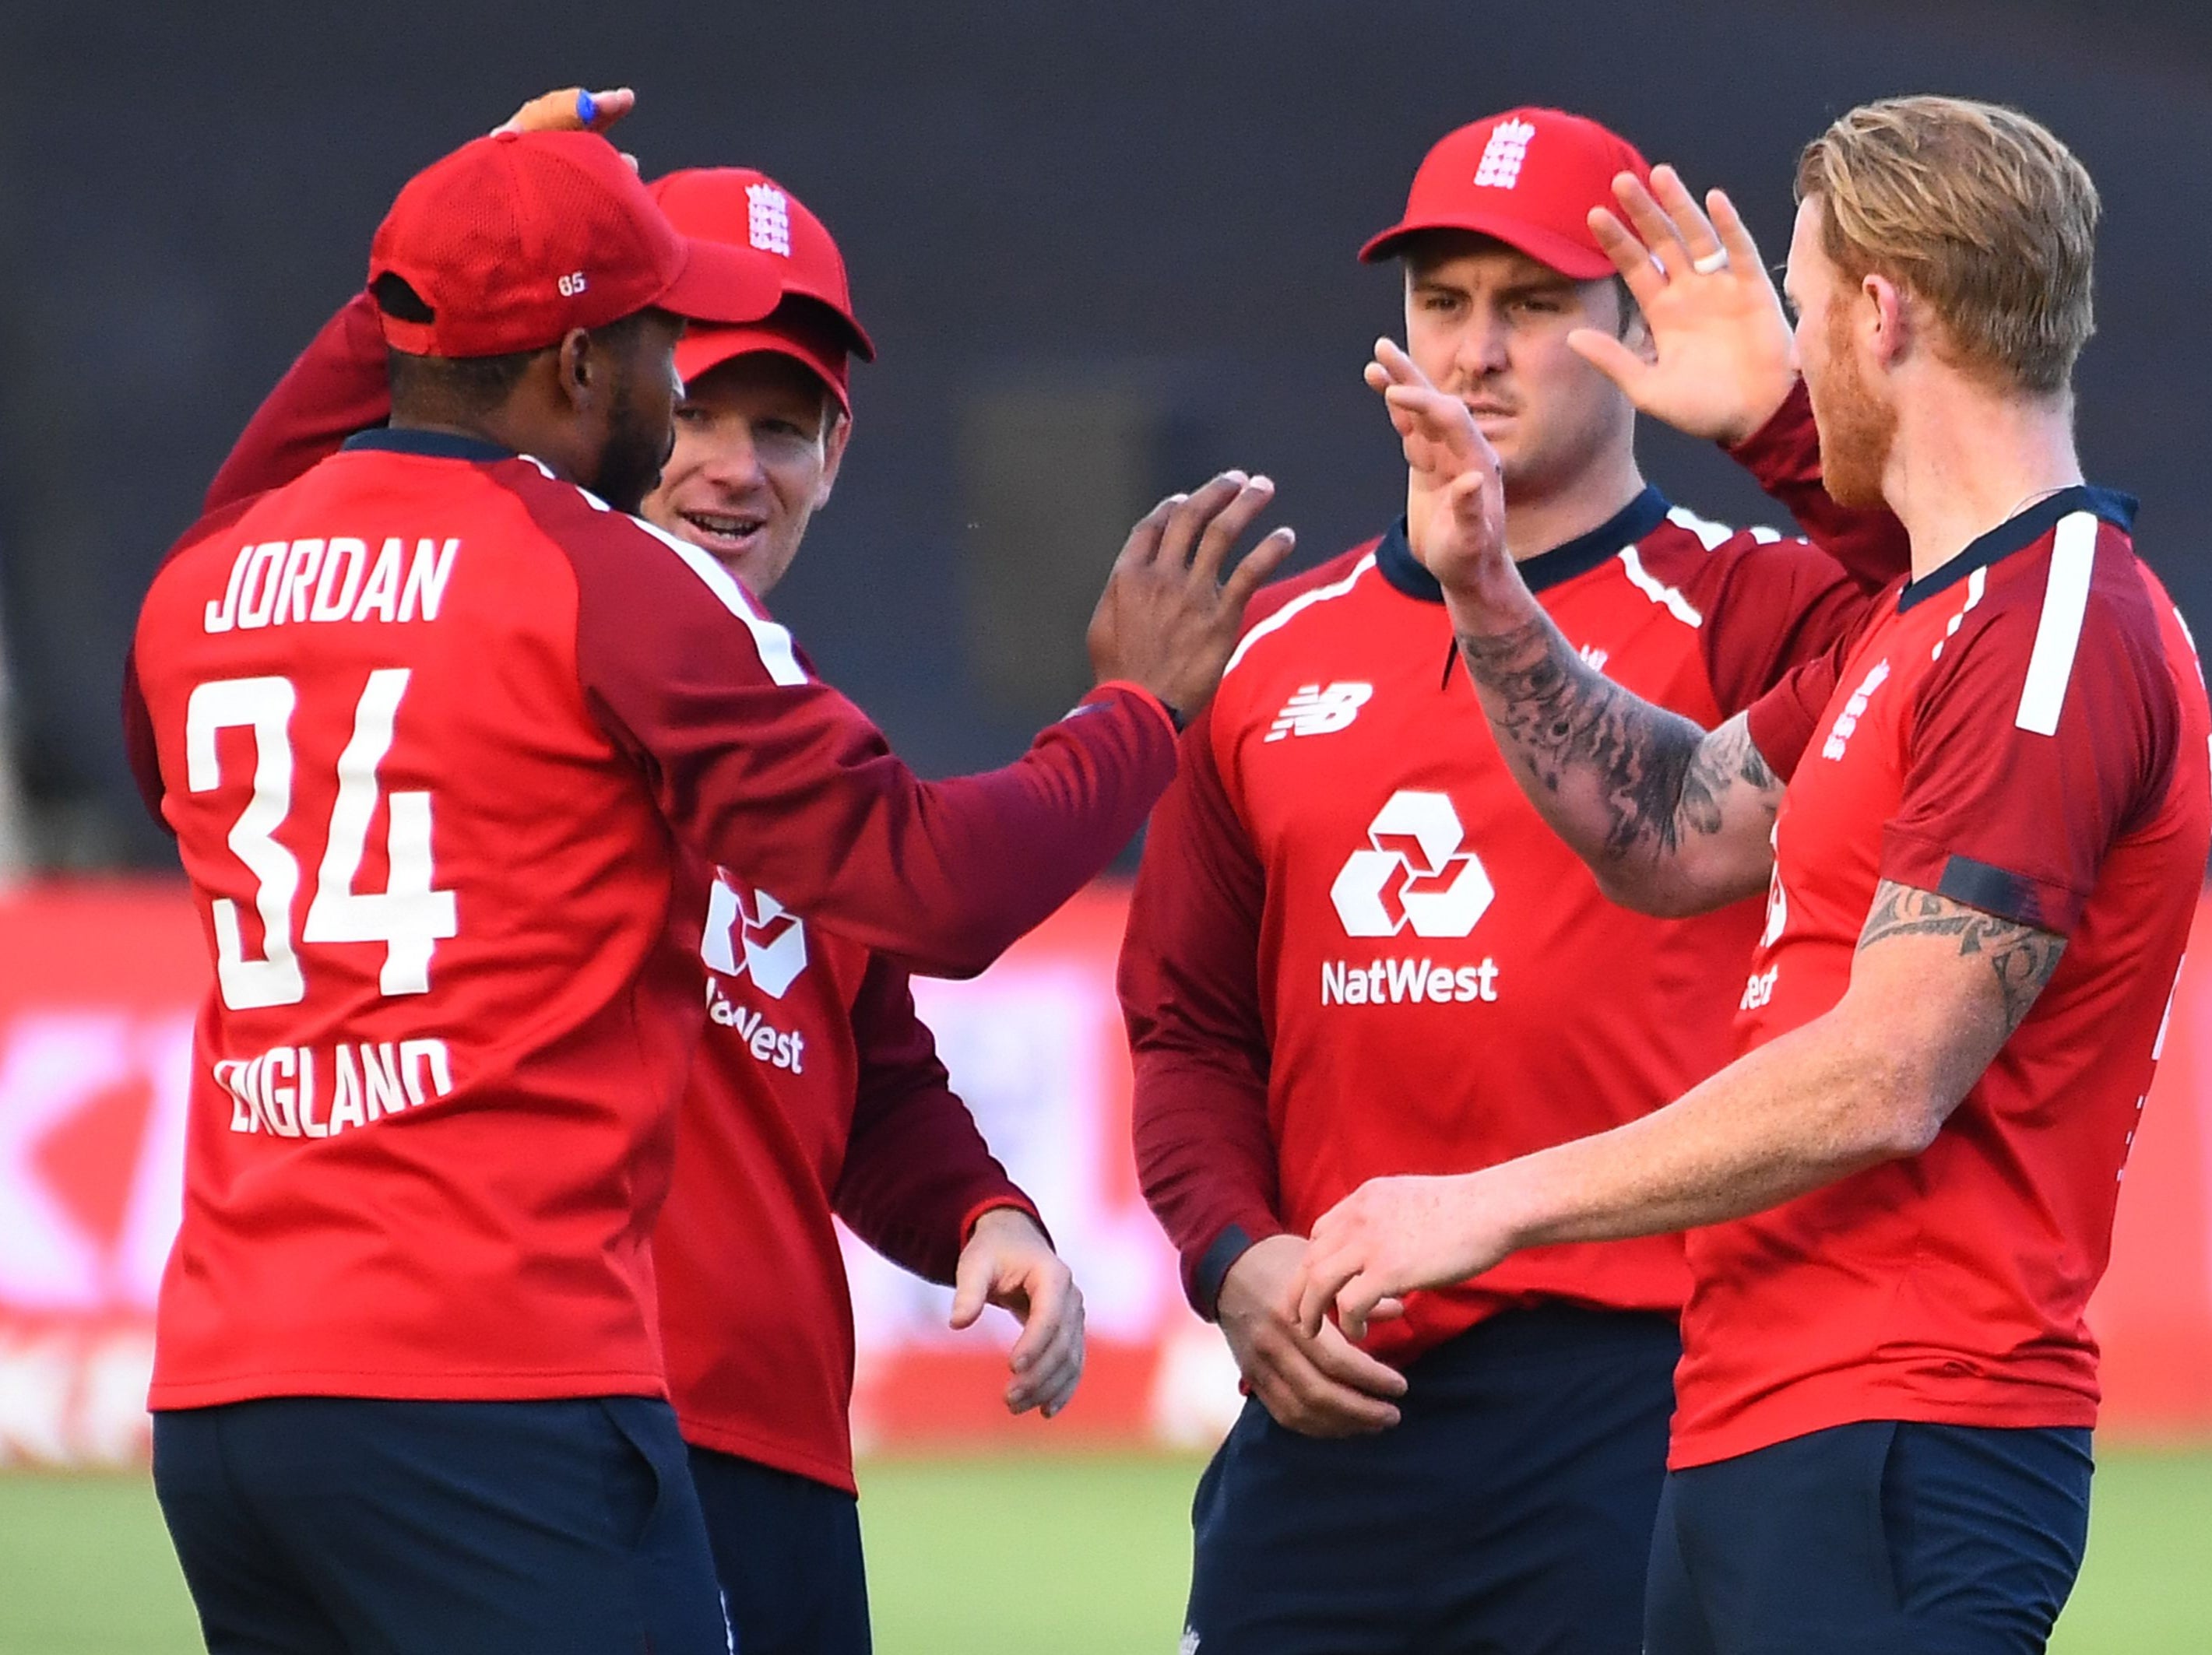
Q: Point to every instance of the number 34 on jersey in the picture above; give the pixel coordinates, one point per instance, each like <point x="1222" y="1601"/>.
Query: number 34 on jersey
<point x="411" y="916"/>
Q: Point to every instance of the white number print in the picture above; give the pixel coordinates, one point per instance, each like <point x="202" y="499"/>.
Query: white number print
<point x="265" y="707"/>
<point x="409" y="917"/>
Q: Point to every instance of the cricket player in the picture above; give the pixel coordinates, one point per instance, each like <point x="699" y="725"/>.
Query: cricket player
<point x="1355" y="950"/>
<point x="1981" y="822"/>
<point x="816" y="1091"/>
<point x="436" y="725"/>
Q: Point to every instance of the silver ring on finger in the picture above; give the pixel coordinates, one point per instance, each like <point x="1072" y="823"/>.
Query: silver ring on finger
<point x="1711" y="264"/>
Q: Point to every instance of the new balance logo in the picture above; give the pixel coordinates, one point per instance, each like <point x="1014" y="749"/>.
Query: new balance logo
<point x="1413" y="873"/>
<point x="1500" y="166"/>
<point x="768" y="218"/>
<point x="1314" y="711"/>
<point x="757" y="935"/>
<point x="1854" y="710"/>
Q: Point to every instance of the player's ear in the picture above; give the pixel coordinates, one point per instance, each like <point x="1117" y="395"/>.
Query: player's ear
<point x="1885" y="318"/>
<point x="840" y="424"/>
<point x="580" y="368"/>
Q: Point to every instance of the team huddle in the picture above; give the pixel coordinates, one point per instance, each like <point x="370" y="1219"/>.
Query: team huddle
<point x="1637" y="1024"/>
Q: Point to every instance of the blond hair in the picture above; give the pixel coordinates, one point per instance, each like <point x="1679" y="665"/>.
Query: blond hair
<point x="1976" y="208"/>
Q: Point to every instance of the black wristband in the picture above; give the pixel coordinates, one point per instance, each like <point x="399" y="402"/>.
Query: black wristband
<point x="1214" y="1264"/>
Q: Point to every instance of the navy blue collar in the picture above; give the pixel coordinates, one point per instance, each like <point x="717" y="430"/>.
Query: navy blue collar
<point x="1394" y="557"/>
<point x="2019" y="531"/>
<point x="430" y="444"/>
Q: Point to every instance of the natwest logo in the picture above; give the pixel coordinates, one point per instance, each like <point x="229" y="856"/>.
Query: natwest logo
<point x="752" y="933"/>
<point x="1413" y="873"/>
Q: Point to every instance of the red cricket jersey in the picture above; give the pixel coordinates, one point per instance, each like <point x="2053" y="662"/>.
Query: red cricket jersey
<point x="816" y="1089"/>
<point x="1355" y="949"/>
<point x="2025" y="731"/>
<point x="431" y="726"/>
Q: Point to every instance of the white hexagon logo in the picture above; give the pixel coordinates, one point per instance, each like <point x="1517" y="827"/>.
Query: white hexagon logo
<point x="1413" y="873"/>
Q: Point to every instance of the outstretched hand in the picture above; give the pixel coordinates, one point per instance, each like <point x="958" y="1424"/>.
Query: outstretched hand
<point x="1390" y="1236"/>
<point x="1722" y="356"/>
<point x="1172" y="608"/>
<point x="1454" y="498"/>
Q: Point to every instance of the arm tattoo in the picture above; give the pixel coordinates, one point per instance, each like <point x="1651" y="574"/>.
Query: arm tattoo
<point x="2022" y="956"/>
<point x="1660" y="778"/>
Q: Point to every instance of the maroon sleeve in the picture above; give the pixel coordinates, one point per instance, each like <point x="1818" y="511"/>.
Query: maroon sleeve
<point x="1782" y="721"/>
<point x="917" y="1173"/>
<point x="337" y="387"/>
<point x="2019" y="778"/>
<point x="1769" y="606"/>
<point x="1784" y="456"/>
<point x="1190" y="994"/>
<point x="760" y="768"/>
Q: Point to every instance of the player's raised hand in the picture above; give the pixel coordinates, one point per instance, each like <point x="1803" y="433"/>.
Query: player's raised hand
<point x="1390" y="1236"/>
<point x="1318" y="1384"/>
<point x="1455" y="499"/>
<point x="1173" y="608"/>
<point x="1008" y="1262"/>
<point x="1722" y="356"/>
<point x="571" y="109"/>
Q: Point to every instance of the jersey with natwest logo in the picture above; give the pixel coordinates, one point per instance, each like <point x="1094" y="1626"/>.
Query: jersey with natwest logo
<point x="430" y="726"/>
<point x="2025" y="731"/>
<point x="816" y="1091"/>
<point x="1356" y="950"/>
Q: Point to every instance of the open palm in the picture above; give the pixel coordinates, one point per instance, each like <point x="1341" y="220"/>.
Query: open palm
<point x="1722" y="359"/>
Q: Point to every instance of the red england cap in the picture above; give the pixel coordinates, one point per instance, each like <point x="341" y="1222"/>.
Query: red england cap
<point x="1529" y="178"/>
<point x="814" y="322"/>
<point x="514" y="239"/>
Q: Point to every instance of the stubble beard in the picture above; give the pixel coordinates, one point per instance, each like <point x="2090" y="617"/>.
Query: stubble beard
<point x="1857" y="429"/>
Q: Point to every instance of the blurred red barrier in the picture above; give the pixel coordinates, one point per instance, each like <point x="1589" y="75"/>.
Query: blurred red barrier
<point x="98" y="986"/>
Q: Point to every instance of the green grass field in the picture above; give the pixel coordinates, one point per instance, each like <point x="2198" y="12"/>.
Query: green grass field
<point x="1080" y="1556"/>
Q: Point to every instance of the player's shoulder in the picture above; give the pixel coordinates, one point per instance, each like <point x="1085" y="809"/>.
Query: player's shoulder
<point x="1704" y="554"/>
<point x="637" y="582"/>
<point x="2058" y="599"/>
<point x="1322" y="580"/>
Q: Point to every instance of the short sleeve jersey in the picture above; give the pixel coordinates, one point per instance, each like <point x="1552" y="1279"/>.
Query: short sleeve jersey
<point x="430" y="726"/>
<point x="1431" y="980"/>
<point x="2024" y="730"/>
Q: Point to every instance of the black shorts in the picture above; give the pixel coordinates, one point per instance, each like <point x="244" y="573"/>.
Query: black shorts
<point x="787" y="1549"/>
<point x="1510" y="1510"/>
<point x="1878" y="1538"/>
<point x="324" y="1525"/>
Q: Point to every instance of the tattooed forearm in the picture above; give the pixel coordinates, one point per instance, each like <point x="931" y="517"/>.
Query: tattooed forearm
<point x="2022" y="956"/>
<point x="1656" y="778"/>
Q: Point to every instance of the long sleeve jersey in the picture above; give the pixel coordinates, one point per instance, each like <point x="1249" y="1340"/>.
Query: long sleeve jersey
<point x="435" y="732"/>
<point x="1355" y="950"/>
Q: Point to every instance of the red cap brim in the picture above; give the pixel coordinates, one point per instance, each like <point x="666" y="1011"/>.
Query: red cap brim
<point x="1569" y="258"/>
<point x="720" y="284"/>
<point x="703" y="349"/>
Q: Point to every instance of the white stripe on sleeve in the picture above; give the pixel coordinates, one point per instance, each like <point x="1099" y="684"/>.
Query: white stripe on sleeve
<point x="1303" y="600"/>
<point x="773" y="641"/>
<point x="2058" y="632"/>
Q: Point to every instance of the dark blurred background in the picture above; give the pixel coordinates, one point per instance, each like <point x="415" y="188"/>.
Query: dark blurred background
<point x="1104" y="251"/>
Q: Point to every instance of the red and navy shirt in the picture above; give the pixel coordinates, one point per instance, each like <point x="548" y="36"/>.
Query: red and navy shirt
<point x="816" y="1091"/>
<point x="434" y="730"/>
<point x="1355" y="950"/>
<point x="2023" y="730"/>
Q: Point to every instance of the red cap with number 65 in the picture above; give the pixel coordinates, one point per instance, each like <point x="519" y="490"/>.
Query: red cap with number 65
<point x="1528" y="176"/>
<point x="514" y="239"/>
